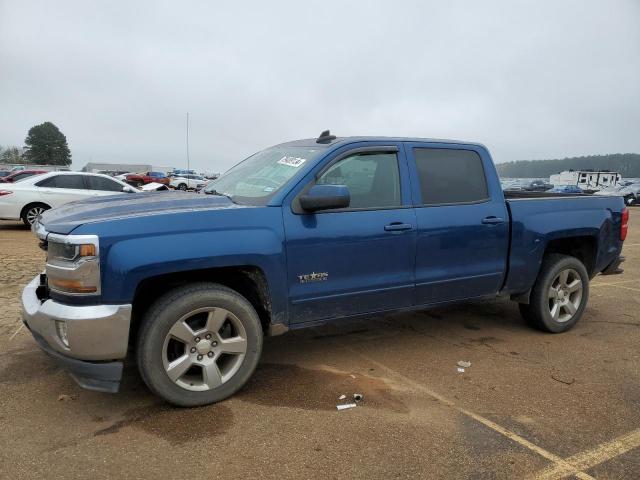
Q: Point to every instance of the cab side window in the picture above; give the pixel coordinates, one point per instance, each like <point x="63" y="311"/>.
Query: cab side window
<point x="373" y="179"/>
<point x="450" y="176"/>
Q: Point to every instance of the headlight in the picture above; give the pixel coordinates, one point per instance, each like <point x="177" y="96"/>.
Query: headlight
<point x="73" y="264"/>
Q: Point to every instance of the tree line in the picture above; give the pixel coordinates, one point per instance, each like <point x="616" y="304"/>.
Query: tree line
<point x="45" y="144"/>
<point x="627" y="164"/>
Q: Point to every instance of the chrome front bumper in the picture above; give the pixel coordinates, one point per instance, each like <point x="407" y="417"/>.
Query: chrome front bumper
<point x="97" y="335"/>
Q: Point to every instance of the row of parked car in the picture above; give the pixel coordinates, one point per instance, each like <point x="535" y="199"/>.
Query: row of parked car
<point x="178" y="179"/>
<point x="628" y="189"/>
<point x="25" y="199"/>
<point x="25" y="194"/>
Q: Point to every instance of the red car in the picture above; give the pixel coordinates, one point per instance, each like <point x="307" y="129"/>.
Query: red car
<point x="20" y="174"/>
<point x="139" y="179"/>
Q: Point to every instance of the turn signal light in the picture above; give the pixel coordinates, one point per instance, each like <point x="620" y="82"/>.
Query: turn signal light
<point x="624" y="227"/>
<point x="87" y="250"/>
<point x="5" y="192"/>
<point x="71" y="286"/>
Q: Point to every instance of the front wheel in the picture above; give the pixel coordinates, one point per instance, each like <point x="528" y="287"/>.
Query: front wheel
<point x="559" y="296"/>
<point x="31" y="213"/>
<point x="199" y="344"/>
<point x="183" y="187"/>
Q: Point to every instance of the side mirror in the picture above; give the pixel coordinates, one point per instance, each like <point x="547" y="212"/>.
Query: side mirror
<point x="325" y="197"/>
<point x="128" y="189"/>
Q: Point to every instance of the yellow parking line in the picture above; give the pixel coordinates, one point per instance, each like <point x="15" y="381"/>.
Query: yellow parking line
<point x="610" y="284"/>
<point x="629" y="288"/>
<point x="595" y="456"/>
<point x="615" y="285"/>
<point x="559" y="462"/>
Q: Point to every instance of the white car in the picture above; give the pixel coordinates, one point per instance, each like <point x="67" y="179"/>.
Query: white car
<point x="188" y="182"/>
<point x="30" y="197"/>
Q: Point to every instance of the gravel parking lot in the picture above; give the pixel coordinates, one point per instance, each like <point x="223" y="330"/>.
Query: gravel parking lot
<point x="532" y="405"/>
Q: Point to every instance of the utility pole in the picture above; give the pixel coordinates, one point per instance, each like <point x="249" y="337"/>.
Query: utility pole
<point x="188" y="160"/>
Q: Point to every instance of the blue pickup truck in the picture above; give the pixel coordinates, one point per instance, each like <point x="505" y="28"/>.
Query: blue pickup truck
<point x="294" y="236"/>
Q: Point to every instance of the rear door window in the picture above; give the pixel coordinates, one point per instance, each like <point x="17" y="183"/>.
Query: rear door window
<point x="450" y="176"/>
<point x="63" y="181"/>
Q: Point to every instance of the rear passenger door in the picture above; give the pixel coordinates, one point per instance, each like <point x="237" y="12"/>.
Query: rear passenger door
<point x="60" y="189"/>
<point x="463" y="228"/>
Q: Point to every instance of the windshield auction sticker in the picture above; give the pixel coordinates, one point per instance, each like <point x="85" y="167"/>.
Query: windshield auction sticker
<point x="294" y="162"/>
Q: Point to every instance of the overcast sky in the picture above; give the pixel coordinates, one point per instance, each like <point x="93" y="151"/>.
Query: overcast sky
<point x="530" y="79"/>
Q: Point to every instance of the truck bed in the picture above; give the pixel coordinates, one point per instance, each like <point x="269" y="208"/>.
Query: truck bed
<point x="520" y="194"/>
<point x="539" y="218"/>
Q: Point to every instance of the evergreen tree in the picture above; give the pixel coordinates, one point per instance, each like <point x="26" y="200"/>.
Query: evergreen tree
<point x="46" y="145"/>
<point x="11" y="155"/>
<point x="627" y="164"/>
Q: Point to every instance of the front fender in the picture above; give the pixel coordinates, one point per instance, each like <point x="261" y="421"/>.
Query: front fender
<point x="135" y="249"/>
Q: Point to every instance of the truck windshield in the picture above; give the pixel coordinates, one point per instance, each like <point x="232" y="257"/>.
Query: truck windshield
<point x="260" y="176"/>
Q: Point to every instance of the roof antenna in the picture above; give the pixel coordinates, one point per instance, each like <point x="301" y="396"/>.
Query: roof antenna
<point x="325" y="137"/>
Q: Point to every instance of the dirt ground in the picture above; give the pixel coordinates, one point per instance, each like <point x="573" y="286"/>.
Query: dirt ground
<point x="532" y="405"/>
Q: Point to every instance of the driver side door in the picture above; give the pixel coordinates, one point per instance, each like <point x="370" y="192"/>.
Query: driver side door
<point x="359" y="259"/>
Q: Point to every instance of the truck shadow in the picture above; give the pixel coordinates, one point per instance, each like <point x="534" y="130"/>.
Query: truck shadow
<point x="308" y="369"/>
<point x="293" y="371"/>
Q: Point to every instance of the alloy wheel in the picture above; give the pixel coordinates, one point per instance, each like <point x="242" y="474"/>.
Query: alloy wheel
<point x="565" y="295"/>
<point x="33" y="213"/>
<point x="204" y="349"/>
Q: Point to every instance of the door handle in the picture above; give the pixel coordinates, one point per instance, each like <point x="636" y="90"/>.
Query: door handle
<point x="398" y="227"/>
<point x="492" y="220"/>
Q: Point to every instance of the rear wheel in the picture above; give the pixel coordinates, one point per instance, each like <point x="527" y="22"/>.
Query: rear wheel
<point x="199" y="344"/>
<point x="559" y="296"/>
<point x="30" y="213"/>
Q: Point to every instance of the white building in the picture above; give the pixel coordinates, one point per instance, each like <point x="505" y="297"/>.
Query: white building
<point x="586" y="179"/>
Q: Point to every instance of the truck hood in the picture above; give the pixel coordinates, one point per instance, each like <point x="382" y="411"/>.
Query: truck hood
<point x="66" y="218"/>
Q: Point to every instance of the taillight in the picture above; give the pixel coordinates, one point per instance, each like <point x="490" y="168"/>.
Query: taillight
<point x="5" y="192"/>
<point x="624" y="227"/>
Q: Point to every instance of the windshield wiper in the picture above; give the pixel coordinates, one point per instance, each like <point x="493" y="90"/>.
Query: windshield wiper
<point x="215" y="192"/>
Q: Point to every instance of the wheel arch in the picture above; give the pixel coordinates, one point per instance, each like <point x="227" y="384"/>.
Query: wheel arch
<point x="24" y="209"/>
<point x="582" y="247"/>
<point x="248" y="280"/>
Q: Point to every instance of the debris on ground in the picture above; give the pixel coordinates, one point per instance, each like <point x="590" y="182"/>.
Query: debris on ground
<point x="345" y="406"/>
<point x="357" y="397"/>
<point x="563" y="380"/>
<point x="352" y="376"/>
<point x="65" y="398"/>
<point x="342" y="397"/>
<point x="464" y="364"/>
<point x="460" y="370"/>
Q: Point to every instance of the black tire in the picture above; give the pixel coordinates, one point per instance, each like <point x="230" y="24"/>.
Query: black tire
<point x="538" y="312"/>
<point x="29" y="212"/>
<point x="165" y="313"/>
<point x="183" y="187"/>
